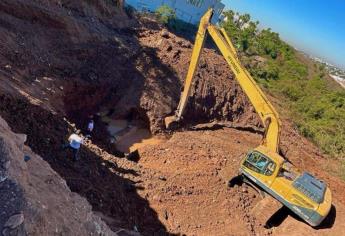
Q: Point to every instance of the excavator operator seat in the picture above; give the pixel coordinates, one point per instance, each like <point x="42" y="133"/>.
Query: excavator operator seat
<point x="259" y="163"/>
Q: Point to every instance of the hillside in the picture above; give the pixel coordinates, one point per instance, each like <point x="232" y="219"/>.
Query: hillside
<point x="90" y="58"/>
<point x="307" y="94"/>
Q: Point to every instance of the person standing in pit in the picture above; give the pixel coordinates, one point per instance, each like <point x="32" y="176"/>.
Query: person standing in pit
<point x="74" y="143"/>
<point x="90" y="127"/>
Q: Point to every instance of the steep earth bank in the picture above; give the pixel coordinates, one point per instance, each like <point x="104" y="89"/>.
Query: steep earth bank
<point x="35" y="200"/>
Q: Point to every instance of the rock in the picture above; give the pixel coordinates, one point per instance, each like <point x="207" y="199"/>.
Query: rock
<point x="14" y="221"/>
<point x="93" y="76"/>
<point x="7" y="165"/>
<point x="162" y="178"/>
<point x="4" y="166"/>
<point x="187" y="45"/>
<point x="166" y="216"/>
<point x="3" y="177"/>
<point x="157" y="198"/>
<point x="6" y="232"/>
<point x="184" y="44"/>
<point x="159" y="42"/>
<point x="165" y="33"/>
<point x="27" y="158"/>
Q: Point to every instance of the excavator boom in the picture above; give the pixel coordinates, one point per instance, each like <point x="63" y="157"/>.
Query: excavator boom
<point x="263" y="107"/>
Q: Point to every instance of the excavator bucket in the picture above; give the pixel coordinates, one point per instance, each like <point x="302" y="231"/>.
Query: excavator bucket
<point x="170" y="122"/>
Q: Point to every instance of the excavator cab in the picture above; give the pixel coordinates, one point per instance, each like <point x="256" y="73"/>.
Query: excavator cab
<point x="304" y="194"/>
<point x="259" y="163"/>
<point x="263" y="167"/>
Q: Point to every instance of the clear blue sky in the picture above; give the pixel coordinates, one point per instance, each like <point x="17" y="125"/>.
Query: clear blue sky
<point x="314" y="26"/>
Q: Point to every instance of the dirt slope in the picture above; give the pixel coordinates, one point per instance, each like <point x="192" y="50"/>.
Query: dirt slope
<point x="38" y="201"/>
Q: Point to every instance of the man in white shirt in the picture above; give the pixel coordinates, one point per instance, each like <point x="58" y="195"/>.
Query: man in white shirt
<point x="74" y="144"/>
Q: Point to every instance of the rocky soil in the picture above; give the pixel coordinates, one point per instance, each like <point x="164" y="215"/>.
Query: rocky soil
<point x="190" y="194"/>
<point x="61" y="61"/>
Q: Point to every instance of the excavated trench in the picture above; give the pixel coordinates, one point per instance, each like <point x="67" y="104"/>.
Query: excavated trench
<point x="118" y="129"/>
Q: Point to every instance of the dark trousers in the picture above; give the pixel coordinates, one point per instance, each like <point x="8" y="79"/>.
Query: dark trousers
<point x="74" y="151"/>
<point x="88" y="133"/>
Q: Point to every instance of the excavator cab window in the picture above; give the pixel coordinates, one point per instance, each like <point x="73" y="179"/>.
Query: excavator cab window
<point x="259" y="163"/>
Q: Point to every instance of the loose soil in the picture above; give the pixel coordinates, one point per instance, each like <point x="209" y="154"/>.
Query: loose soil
<point x="86" y="58"/>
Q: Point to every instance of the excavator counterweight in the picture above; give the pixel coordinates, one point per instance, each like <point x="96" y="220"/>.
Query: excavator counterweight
<point x="302" y="193"/>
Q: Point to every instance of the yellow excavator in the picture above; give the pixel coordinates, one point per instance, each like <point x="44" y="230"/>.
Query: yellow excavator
<point x="263" y="167"/>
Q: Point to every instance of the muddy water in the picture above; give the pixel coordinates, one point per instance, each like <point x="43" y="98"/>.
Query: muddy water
<point x="137" y="139"/>
<point x="129" y="137"/>
<point x="115" y="126"/>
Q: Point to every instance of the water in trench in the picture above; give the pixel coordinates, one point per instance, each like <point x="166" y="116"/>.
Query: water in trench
<point x="130" y="136"/>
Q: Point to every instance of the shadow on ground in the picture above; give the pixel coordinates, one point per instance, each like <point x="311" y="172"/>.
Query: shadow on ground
<point x="278" y="218"/>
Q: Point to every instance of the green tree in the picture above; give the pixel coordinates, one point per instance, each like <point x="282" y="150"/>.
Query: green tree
<point x="315" y="105"/>
<point x="165" y="14"/>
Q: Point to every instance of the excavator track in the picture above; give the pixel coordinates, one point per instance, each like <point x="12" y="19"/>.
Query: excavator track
<point x="262" y="193"/>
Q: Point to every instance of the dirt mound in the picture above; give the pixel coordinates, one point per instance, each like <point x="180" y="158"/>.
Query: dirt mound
<point x="189" y="190"/>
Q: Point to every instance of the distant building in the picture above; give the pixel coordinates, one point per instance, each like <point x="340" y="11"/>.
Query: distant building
<point x="187" y="10"/>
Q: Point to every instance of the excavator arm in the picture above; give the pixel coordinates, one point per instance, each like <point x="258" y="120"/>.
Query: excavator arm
<point x="263" y="107"/>
<point x="198" y="45"/>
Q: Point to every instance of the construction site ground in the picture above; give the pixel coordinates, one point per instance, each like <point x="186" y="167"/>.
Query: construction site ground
<point x="83" y="61"/>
